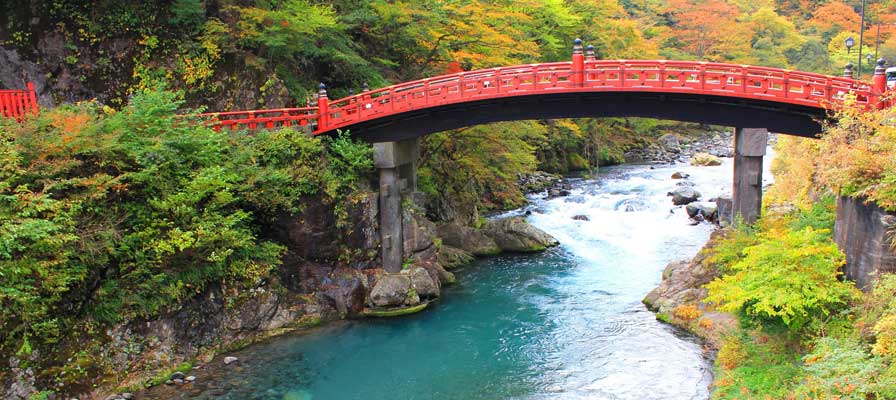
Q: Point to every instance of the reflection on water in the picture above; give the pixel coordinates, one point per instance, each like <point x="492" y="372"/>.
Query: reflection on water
<point x="565" y="324"/>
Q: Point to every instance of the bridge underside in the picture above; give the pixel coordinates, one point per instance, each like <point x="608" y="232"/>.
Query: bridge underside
<point x="699" y="108"/>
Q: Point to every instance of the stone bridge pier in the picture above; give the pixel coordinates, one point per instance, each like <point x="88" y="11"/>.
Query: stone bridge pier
<point x="746" y="194"/>
<point x="396" y="162"/>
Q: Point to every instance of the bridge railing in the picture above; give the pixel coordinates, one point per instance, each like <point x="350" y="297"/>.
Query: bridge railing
<point x="18" y="103"/>
<point x="660" y="76"/>
<point x="725" y="80"/>
<point x="455" y="88"/>
<point x="719" y="79"/>
<point x="268" y="119"/>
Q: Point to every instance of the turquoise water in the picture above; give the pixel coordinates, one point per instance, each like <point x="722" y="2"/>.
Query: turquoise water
<point x="564" y="324"/>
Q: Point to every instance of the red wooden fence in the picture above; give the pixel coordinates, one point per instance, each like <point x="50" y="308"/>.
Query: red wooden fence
<point x="18" y="103"/>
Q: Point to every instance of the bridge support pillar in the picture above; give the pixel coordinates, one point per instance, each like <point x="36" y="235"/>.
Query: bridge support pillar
<point x="396" y="162"/>
<point x="749" y="148"/>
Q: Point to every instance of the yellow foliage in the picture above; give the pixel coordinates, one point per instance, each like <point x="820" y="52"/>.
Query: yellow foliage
<point x="731" y="354"/>
<point x="858" y="156"/>
<point x="687" y="312"/>
<point x="885" y="330"/>
<point x="794" y="168"/>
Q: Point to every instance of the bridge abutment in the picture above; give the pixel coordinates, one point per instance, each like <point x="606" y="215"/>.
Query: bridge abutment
<point x="749" y="149"/>
<point x="396" y="162"/>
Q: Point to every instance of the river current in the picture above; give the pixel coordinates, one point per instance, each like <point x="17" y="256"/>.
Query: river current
<point x="564" y="324"/>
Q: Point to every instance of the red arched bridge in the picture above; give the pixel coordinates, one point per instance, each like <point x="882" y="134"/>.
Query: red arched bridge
<point x="714" y="93"/>
<point x="752" y="99"/>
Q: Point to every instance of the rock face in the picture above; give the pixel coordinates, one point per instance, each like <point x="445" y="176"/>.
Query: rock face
<point x="679" y="299"/>
<point x="517" y="235"/>
<point x="684" y="195"/>
<point x="862" y="233"/>
<point x="470" y="240"/>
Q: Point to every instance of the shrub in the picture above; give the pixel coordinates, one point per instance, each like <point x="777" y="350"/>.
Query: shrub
<point x="687" y="312"/>
<point x="791" y="276"/>
<point x="858" y="155"/>
<point x="110" y="216"/>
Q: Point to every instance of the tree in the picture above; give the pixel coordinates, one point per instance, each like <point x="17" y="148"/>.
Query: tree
<point x="708" y="30"/>
<point x="776" y="42"/>
<point x="833" y="18"/>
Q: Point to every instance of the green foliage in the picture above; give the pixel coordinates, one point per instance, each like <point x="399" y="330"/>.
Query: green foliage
<point x="478" y="167"/>
<point x="786" y="270"/>
<point x="756" y="366"/>
<point x="791" y="276"/>
<point x="842" y="368"/>
<point x="123" y="215"/>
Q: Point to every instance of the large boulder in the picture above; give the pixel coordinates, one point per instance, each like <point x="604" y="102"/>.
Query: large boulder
<point x="423" y="283"/>
<point x="684" y="195"/>
<point x="670" y="142"/>
<point x="391" y="290"/>
<point x="517" y="235"/>
<point x="452" y="257"/>
<point x="417" y="231"/>
<point x="724" y="207"/>
<point x="471" y="240"/>
<point x="705" y="160"/>
<point x="708" y="211"/>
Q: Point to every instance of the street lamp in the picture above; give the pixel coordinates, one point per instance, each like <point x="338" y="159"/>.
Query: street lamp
<point x="849" y="43"/>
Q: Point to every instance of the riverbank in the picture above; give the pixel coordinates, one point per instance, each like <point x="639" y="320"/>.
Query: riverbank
<point x="557" y="324"/>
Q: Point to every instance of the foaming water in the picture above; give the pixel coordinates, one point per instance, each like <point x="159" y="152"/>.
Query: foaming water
<point x="564" y="324"/>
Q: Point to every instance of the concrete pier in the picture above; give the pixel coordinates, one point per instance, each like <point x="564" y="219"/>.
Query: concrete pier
<point x="749" y="149"/>
<point x="396" y="162"/>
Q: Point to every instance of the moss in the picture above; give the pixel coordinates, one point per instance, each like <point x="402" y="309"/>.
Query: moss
<point x="395" y="312"/>
<point x="663" y="317"/>
<point x="165" y="374"/>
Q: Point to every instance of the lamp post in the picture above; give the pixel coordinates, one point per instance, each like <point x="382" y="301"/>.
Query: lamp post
<point x="861" y="37"/>
<point x="849" y="43"/>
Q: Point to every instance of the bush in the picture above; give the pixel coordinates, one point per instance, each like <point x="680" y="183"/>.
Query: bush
<point x="858" y="156"/>
<point x="110" y="216"/>
<point x="791" y="276"/>
<point x="755" y="366"/>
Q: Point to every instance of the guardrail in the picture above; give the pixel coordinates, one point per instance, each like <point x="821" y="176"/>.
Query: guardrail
<point x="579" y="75"/>
<point x="18" y="103"/>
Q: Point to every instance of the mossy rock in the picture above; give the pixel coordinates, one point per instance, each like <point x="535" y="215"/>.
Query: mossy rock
<point x="394" y="312"/>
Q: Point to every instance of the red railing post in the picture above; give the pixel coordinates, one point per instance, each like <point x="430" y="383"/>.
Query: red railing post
<point x="323" y="108"/>
<point x="32" y="97"/>
<point x="578" y="64"/>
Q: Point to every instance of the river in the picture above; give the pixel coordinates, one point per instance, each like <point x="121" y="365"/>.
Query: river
<point x="564" y="324"/>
